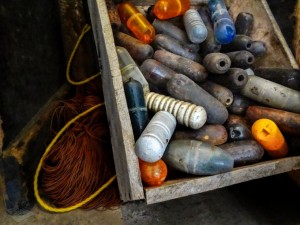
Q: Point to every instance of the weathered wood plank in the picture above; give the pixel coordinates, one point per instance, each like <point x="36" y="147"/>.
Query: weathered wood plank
<point x="72" y="21"/>
<point x="296" y="41"/>
<point x="287" y="51"/>
<point x="126" y="161"/>
<point x="19" y="146"/>
<point x="113" y="15"/>
<point x="184" y="187"/>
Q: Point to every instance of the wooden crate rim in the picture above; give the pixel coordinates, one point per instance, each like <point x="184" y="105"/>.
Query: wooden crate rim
<point x="188" y="186"/>
<point x="126" y="161"/>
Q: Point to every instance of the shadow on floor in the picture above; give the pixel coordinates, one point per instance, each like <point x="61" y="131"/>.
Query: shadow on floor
<point x="269" y="201"/>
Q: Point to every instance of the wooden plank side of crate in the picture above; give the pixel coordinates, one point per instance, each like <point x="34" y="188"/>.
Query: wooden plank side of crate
<point x="280" y="36"/>
<point x="20" y="146"/>
<point x="126" y="162"/>
<point x="185" y="187"/>
<point x="296" y="39"/>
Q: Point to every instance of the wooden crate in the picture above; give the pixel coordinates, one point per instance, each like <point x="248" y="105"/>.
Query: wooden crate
<point x="126" y="162"/>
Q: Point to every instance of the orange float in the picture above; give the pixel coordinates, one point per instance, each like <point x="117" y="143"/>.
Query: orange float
<point x="136" y="22"/>
<point x="267" y="133"/>
<point x="153" y="174"/>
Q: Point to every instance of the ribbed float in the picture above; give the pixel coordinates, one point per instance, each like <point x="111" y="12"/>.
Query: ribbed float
<point x="186" y="113"/>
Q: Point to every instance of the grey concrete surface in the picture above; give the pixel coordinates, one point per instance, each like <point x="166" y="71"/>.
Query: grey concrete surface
<point x="269" y="201"/>
<point x="37" y="216"/>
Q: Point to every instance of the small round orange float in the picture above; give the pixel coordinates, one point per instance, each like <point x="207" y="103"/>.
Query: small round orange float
<point x="153" y="174"/>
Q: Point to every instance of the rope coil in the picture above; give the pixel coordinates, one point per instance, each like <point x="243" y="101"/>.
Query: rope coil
<point x="43" y="203"/>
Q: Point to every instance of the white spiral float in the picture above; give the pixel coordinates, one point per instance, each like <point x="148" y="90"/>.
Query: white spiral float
<point x="186" y="113"/>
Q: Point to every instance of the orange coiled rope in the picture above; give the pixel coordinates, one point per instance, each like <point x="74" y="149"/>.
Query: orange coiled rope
<point x="81" y="160"/>
<point x="76" y="169"/>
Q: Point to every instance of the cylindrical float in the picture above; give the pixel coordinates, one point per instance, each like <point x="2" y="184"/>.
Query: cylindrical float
<point x="197" y="157"/>
<point x="267" y="133"/>
<point x="187" y="114"/>
<point x="152" y="143"/>
<point x="136" y="22"/>
<point x="272" y="94"/>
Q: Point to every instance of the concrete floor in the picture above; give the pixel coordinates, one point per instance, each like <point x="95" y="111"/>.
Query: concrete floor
<point x="37" y="216"/>
<point x="269" y="201"/>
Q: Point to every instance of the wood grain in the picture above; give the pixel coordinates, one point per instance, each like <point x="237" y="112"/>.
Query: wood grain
<point x="296" y="41"/>
<point x="126" y="161"/>
<point x="20" y="145"/>
<point x="184" y="187"/>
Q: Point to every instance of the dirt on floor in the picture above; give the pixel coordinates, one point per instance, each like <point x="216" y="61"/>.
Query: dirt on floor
<point x="269" y="201"/>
